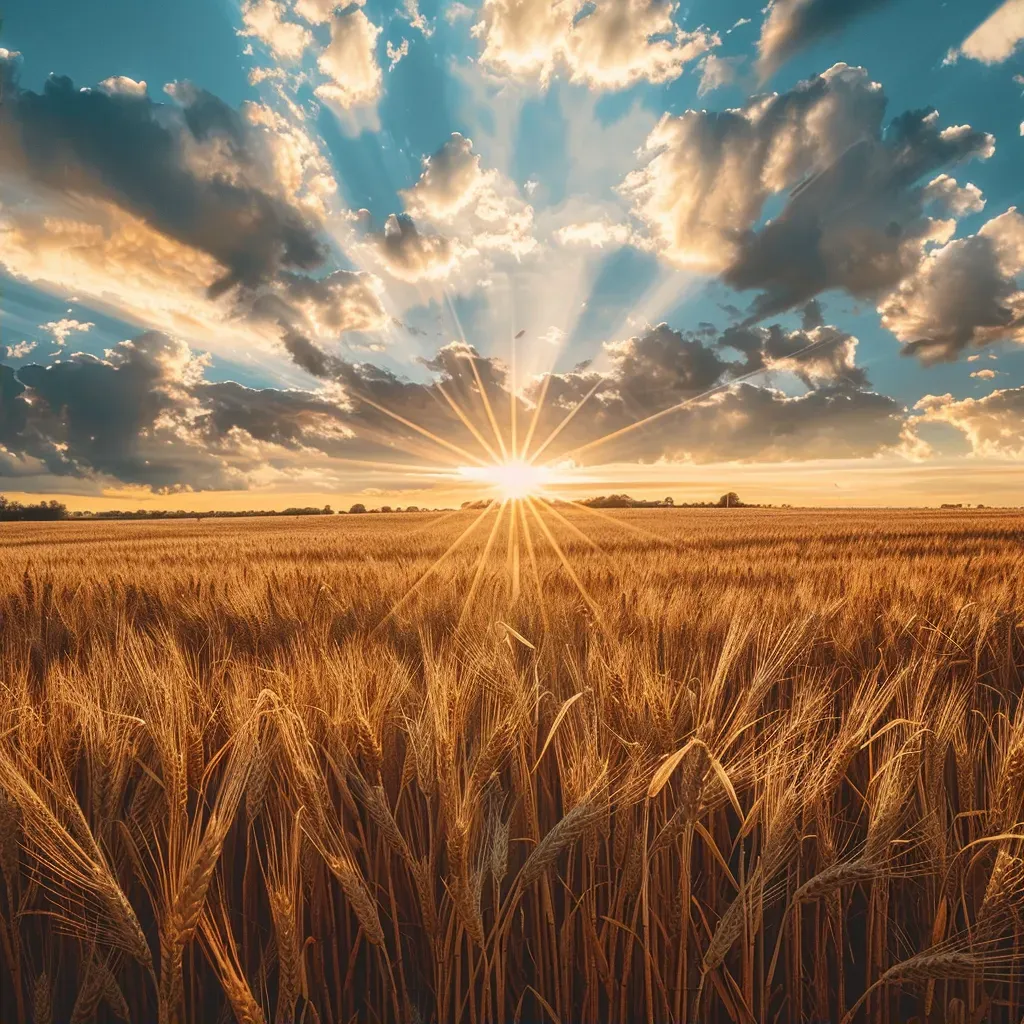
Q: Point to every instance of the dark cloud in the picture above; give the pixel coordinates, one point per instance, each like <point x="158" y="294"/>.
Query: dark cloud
<point x="965" y="294"/>
<point x="145" y="414"/>
<point x="195" y="171"/>
<point x="792" y="25"/>
<point x="861" y="209"/>
<point x="861" y="224"/>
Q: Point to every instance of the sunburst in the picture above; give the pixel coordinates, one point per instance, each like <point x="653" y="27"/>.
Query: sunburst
<point x="522" y="488"/>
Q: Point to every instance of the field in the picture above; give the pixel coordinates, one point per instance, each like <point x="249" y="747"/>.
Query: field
<point x="746" y="766"/>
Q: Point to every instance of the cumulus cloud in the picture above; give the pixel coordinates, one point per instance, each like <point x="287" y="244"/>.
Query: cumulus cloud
<point x="195" y="172"/>
<point x="144" y="414"/>
<point x="715" y="413"/>
<point x="61" y="330"/>
<point x="984" y="374"/>
<point x="993" y="425"/>
<point x="265" y="20"/>
<point x="319" y="12"/>
<point x="20" y="350"/>
<point x="610" y="44"/>
<point x="857" y="217"/>
<point x="349" y="61"/>
<point x="792" y="25"/>
<point x="119" y="85"/>
<point x="481" y="205"/>
<point x="411" y="256"/>
<point x="996" y="39"/>
<point x="963" y="295"/>
<point x="182" y="216"/>
<point x="470" y="211"/>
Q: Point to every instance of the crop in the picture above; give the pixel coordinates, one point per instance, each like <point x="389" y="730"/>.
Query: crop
<point x="746" y="766"/>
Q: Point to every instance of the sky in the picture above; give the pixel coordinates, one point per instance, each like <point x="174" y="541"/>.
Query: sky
<point x="285" y="252"/>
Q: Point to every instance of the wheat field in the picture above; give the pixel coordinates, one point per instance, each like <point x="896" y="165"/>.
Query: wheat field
<point x="740" y="765"/>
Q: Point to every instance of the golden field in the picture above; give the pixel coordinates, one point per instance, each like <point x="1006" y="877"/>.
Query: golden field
<point x="769" y="768"/>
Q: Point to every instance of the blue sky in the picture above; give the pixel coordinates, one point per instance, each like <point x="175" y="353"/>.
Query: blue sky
<point x="568" y="223"/>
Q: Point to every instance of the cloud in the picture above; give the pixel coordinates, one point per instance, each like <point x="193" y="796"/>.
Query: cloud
<point x="597" y="234"/>
<point x="265" y="20"/>
<point x="121" y="86"/>
<point x="457" y="12"/>
<point x="19" y="351"/>
<point x="984" y="374"/>
<point x="62" y="329"/>
<point x="963" y="295"/>
<point x="716" y="72"/>
<point x="396" y="53"/>
<point x="714" y="415"/>
<point x="612" y="44"/>
<point x="473" y="211"/>
<point x="481" y="205"/>
<point x="857" y="217"/>
<point x="993" y="425"/>
<point x="411" y="256"/>
<point x="196" y="173"/>
<point x="996" y="39"/>
<point x="145" y="415"/>
<point x="792" y="25"/>
<point x="183" y="216"/>
<point x="349" y="62"/>
<point x="319" y="12"/>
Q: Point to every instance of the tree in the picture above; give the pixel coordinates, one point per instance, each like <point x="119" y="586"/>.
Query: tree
<point x="357" y="508"/>
<point x="328" y="511"/>
<point x="669" y="501"/>
<point x="730" y="500"/>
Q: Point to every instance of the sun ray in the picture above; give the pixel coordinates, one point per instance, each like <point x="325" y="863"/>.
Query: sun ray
<point x="632" y="527"/>
<point x="467" y="422"/>
<point x="512" y="554"/>
<point x="568" y="419"/>
<point x="415" y="426"/>
<point x="487" y="407"/>
<point x="535" y="570"/>
<point x="482" y="564"/>
<point x="560" y="554"/>
<point x="435" y="565"/>
<point x="535" y="419"/>
<point x="513" y="399"/>
<point x="545" y="503"/>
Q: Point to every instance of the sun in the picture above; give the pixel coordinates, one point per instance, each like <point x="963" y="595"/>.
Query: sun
<point x="513" y="479"/>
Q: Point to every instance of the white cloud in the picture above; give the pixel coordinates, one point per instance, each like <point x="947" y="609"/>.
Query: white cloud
<point x="716" y="72"/>
<point x="20" y="350"/>
<point x="457" y="12"/>
<point x="993" y="425"/>
<point x="984" y="374"/>
<point x="265" y="20"/>
<point x="610" y="44"/>
<point x="350" y="62"/>
<point x="411" y="10"/>
<point x="319" y="12"/>
<point x="62" y="329"/>
<point x="996" y="38"/>
<point x="396" y="53"/>
<point x="597" y="234"/>
<point x="481" y="206"/>
<point x="707" y="176"/>
<point x="119" y="85"/>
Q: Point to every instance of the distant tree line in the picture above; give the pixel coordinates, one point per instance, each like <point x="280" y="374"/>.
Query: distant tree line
<point x="729" y="500"/>
<point x="44" y="511"/>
